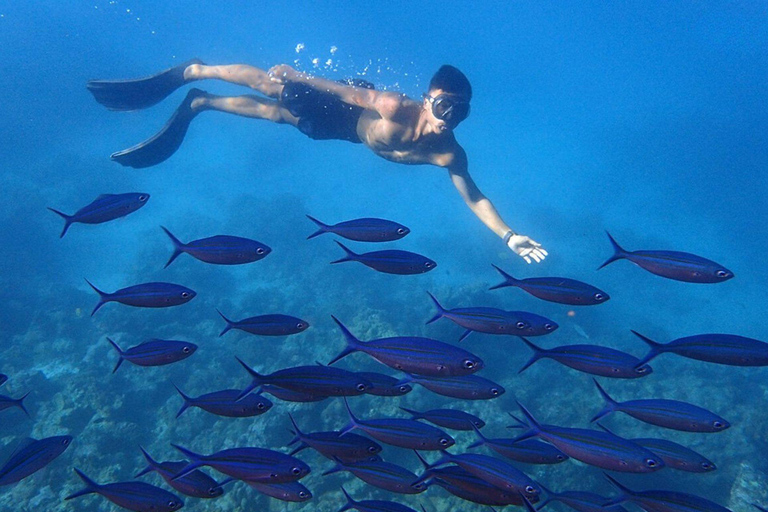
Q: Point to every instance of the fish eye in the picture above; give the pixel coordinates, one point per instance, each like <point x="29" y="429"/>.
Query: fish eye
<point x="708" y="466"/>
<point x="172" y="504"/>
<point x="296" y="471"/>
<point x="530" y="489"/>
<point x="418" y="486"/>
<point x="184" y="295"/>
<point x="302" y="494"/>
<point x="721" y="273"/>
<point x="142" y="198"/>
<point x="641" y="369"/>
<point x="300" y="325"/>
<point x="548" y="327"/>
<point x="273" y="475"/>
<point x="429" y="264"/>
<point x="560" y="457"/>
<point x="259" y="251"/>
<point x="651" y="463"/>
<point x="520" y="325"/>
<point x="371" y="449"/>
<point x="400" y="231"/>
<point x="213" y="491"/>
<point x="615" y="370"/>
<point x="260" y="406"/>
<point x="443" y="441"/>
<point x="718" y="424"/>
<point x="599" y="296"/>
<point x="65" y="442"/>
<point x="186" y="350"/>
<point x="494" y="391"/>
<point x="468" y="364"/>
<point x="403" y="389"/>
<point x="360" y="387"/>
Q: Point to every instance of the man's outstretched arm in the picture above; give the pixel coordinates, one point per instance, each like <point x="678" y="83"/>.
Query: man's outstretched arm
<point x="482" y="207"/>
<point x="383" y="102"/>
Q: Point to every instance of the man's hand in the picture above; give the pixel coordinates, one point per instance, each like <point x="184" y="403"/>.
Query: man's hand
<point x="527" y="248"/>
<point x="282" y="73"/>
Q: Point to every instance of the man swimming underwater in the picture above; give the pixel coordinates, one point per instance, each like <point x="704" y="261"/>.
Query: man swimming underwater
<point x="391" y="125"/>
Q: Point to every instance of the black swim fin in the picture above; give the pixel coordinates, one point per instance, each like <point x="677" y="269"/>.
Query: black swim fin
<point x="139" y="93"/>
<point x="164" y="143"/>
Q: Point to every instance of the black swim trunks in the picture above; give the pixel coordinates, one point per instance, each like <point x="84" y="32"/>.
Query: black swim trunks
<point x="321" y="115"/>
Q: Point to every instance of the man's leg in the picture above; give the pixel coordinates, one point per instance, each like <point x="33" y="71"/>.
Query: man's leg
<point x="162" y="145"/>
<point x="240" y="74"/>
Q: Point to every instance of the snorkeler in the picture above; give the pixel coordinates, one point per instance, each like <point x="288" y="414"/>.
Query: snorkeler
<point x="391" y="125"/>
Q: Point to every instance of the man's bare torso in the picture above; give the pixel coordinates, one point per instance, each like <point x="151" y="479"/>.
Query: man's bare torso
<point x="399" y="140"/>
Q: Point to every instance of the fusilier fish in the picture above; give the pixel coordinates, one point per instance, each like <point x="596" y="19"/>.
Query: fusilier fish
<point x="266" y="325"/>
<point x="196" y="484"/>
<point x="135" y="496"/>
<point x="411" y="354"/>
<point x="466" y="387"/>
<point x="680" y="266"/>
<point x="663" y="501"/>
<point x="154" y="352"/>
<point x="381" y="474"/>
<point x="447" y="418"/>
<point x="367" y="229"/>
<point x="226" y="403"/>
<point x="219" y="249"/>
<point x="556" y="289"/>
<point x="391" y="261"/>
<point x="727" y="349"/>
<point x="104" y="208"/>
<point x="32" y="456"/>
<point x="348" y="447"/>
<point x="249" y="463"/>
<point x="373" y="505"/>
<point x="146" y="295"/>
<point x="664" y="413"/>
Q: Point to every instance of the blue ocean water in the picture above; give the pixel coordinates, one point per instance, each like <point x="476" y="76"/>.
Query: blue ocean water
<point x="645" y="119"/>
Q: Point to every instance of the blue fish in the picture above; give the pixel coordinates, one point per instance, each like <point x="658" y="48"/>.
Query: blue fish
<point x="383" y="475"/>
<point x="727" y="349"/>
<point x="401" y="432"/>
<point x="447" y="418"/>
<point x="664" y="501"/>
<point x="556" y="289"/>
<point x="680" y="266"/>
<point x="288" y="395"/>
<point x="601" y="449"/>
<point x="495" y="471"/>
<point x="529" y="451"/>
<point x="7" y="402"/>
<point x="467" y="486"/>
<point x="146" y="295"/>
<point x="32" y="456"/>
<point x="664" y="413"/>
<point x="594" y="359"/>
<point x="196" y="484"/>
<point x="154" y="352"/>
<point x="225" y="403"/>
<point x="580" y="501"/>
<point x="249" y="463"/>
<point x="314" y="380"/>
<point x="466" y="387"/>
<point x="293" y="492"/>
<point x="136" y="496"/>
<point x="3" y="378"/>
<point x="267" y="325"/>
<point x="334" y="445"/>
<point x="384" y="385"/>
<point x="674" y="455"/>
<point x="373" y="505"/>
<point x="495" y="321"/>
<point x="391" y="261"/>
<point x="104" y="208"/>
<point x="363" y="230"/>
<point x="411" y="354"/>
<point x="219" y="249"/>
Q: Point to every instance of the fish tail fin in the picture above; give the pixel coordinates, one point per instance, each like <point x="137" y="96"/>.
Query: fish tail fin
<point x="538" y="353"/>
<point x="604" y="428"/>
<point x="338" y="467"/>
<point x="465" y="334"/>
<point x="480" y="441"/>
<point x="19" y="402"/>
<point x="508" y="279"/>
<point x="618" y="252"/>
<point x="351" y="256"/>
<point x="323" y="227"/>
<point x="656" y="348"/>
<point x="103" y="297"/>
<point x="187" y="401"/>
<point x="178" y="246"/>
<point x="440" y="310"/>
<point x="195" y="463"/>
<point x="119" y="352"/>
<point x="414" y="414"/>
<point x="258" y="380"/>
<point x="296" y="430"/>
<point x="67" y="221"/>
<point x="534" y="427"/>
<point x="90" y="486"/>
<point x="353" y="344"/>
<point x="625" y="492"/>
<point x="229" y="324"/>
<point x="610" y="403"/>
<point x="350" y="502"/>
<point x="152" y="463"/>
<point x="349" y="427"/>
